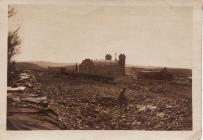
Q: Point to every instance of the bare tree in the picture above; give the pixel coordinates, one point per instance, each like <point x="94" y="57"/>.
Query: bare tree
<point x="13" y="44"/>
<point x="13" y="48"/>
<point x="11" y="11"/>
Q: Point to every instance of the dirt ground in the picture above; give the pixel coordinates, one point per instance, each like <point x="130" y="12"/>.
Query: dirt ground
<point x="90" y="105"/>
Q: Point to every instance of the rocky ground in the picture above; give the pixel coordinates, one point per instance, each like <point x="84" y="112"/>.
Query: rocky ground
<point x="28" y="107"/>
<point x="88" y="105"/>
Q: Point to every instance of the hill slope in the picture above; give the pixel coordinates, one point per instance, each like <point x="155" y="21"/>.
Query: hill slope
<point x="46" y="64"/>
<point x="28" y="66"/>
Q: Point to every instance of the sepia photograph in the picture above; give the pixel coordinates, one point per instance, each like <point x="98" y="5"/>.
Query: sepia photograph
<point x="99" y="67"/>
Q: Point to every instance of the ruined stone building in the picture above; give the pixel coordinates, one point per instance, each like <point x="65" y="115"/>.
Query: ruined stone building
<point x="162" y="74"/>
<point x="106" y="67"/>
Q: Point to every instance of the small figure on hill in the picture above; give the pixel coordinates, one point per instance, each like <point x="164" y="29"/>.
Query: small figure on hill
<point x="123" y="99"/>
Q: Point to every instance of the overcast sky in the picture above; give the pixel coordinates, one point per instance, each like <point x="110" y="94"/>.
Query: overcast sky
<point x="149" y="36"/>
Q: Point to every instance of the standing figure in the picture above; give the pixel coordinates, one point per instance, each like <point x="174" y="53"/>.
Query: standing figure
<point x="123" y="99"/>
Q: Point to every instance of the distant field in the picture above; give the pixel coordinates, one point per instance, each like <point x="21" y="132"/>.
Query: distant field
<point x="41" y="65"/>
<point x="179" y="72"/>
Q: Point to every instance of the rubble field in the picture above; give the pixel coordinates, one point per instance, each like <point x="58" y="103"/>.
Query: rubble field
<point x="89" y="105"/>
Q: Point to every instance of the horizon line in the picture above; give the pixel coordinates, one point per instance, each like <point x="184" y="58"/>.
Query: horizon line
<point x="155" y="66"/>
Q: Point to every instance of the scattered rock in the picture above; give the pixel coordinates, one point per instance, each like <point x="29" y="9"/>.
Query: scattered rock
<point x="161" y="114"/>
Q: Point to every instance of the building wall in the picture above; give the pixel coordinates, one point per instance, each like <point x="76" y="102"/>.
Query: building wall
<point x="88" y="67"/>
<point x="108" y="70"/>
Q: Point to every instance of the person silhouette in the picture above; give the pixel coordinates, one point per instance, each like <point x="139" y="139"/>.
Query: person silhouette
<point x="123" y="99"/>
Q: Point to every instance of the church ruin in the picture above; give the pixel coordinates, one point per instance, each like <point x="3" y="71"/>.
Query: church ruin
<point x="106" y="67"/>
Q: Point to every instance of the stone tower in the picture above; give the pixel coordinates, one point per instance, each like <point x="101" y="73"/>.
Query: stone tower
<point x="121" y="62"/>
<point x="122" y="59"/>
